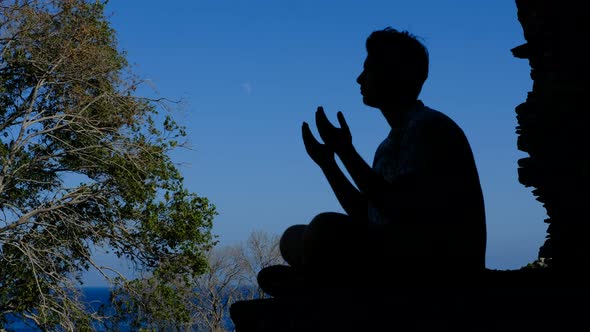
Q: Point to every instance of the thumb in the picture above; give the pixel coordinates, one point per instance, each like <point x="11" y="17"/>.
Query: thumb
<point x="342" y="121"/>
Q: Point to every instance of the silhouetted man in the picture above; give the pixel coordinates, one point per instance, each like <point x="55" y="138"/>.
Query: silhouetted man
<point x="417" y="212"/>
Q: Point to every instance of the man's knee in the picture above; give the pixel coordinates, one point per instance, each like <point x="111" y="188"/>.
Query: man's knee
<point x="328" y="237"/>
<point x="291" y="244"/>
<point x="328" y="223"/>
<point x="327" y="234"/>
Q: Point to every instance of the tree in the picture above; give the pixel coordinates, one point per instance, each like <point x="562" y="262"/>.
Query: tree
<point x="215" y="290"/>
<point x="232" y="277"/>
<point x="261" y="250"/>
<point x="83" y="162"/>
<point x="151" y="304"/>
<point x="200" y="303"/>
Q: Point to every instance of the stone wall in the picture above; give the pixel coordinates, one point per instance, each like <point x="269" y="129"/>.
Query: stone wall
<point x="553" y="125"/>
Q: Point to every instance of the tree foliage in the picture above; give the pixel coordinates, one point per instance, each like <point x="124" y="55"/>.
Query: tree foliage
<point x="231" y="277"/>
<point x="83" y="162"/>
<point x="201" y="303"/>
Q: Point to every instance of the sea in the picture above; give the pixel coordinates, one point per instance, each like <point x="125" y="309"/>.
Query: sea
<point x="95" y="296"/>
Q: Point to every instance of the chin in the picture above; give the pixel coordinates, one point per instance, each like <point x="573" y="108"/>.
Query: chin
<point x="369" y="102"/>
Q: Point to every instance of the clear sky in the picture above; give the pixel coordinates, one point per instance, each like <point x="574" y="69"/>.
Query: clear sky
<point x="250" y="72"/>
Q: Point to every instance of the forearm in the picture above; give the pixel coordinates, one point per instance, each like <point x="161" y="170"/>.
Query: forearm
<point x="373" y="186"/>
<point x="366" y="179"/>
<point x="350" y="198"/>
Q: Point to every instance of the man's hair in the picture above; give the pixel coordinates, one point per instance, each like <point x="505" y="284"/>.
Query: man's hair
<point x="400" y="53"/>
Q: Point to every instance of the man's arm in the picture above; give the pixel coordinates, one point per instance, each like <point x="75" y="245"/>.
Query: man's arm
<point x="377" y="190"/>
<point x="349" y="197"/>
<point x="371" y="184"/>
<point x="443" y="192"/>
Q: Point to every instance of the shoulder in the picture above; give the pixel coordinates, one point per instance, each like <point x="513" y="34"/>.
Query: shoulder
<point x="440" y="133"/>
<point x="437" y="127"/>
<point x="436" y="121"/>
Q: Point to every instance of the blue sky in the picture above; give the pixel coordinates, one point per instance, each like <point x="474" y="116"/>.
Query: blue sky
<point x="250" y="72"/>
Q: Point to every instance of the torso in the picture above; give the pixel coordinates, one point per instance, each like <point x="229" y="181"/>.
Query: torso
<point x="412" y="149"/>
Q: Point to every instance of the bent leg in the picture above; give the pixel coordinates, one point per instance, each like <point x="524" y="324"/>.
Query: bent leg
<point x="291" y="245"/>
<point x="280" y="280"/>
<point x="329" y="249"/>
<point x="333" y="245"/>
<point x="330" y="238"/>
<point x="285" y="280"/>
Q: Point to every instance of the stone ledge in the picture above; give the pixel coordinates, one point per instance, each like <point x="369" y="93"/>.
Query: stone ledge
<point x="508" y="302"/>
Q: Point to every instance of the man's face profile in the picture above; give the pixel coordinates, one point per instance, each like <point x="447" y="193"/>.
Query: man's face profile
<point x="376" y="88"/>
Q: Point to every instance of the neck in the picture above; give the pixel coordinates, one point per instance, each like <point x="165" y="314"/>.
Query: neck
<point x="395" y="113"/>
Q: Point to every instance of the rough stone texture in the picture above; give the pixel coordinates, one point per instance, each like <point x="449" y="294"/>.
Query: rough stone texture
<point x="553" y="125"/>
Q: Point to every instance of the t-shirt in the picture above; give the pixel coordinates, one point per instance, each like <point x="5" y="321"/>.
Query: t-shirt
<point x="444" y="208"/>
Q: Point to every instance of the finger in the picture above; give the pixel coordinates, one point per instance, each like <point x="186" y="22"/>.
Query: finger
<point x="342" y="122"/>
<point x="320" y="109"/>
<point x="305" y="131"/>
<point x="325" y="127"/>
<point x="321" y="118"/>
<point x="308" y="138"/>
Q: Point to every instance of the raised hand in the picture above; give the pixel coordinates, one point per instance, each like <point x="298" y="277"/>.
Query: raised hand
<point x="319" y="153"/>
<point x="338" y="139"/>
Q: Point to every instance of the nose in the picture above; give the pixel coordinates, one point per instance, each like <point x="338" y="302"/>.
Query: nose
<point x="360" y="77"/>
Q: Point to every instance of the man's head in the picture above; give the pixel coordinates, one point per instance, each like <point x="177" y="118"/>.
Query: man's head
<point x="395" y="68"/>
